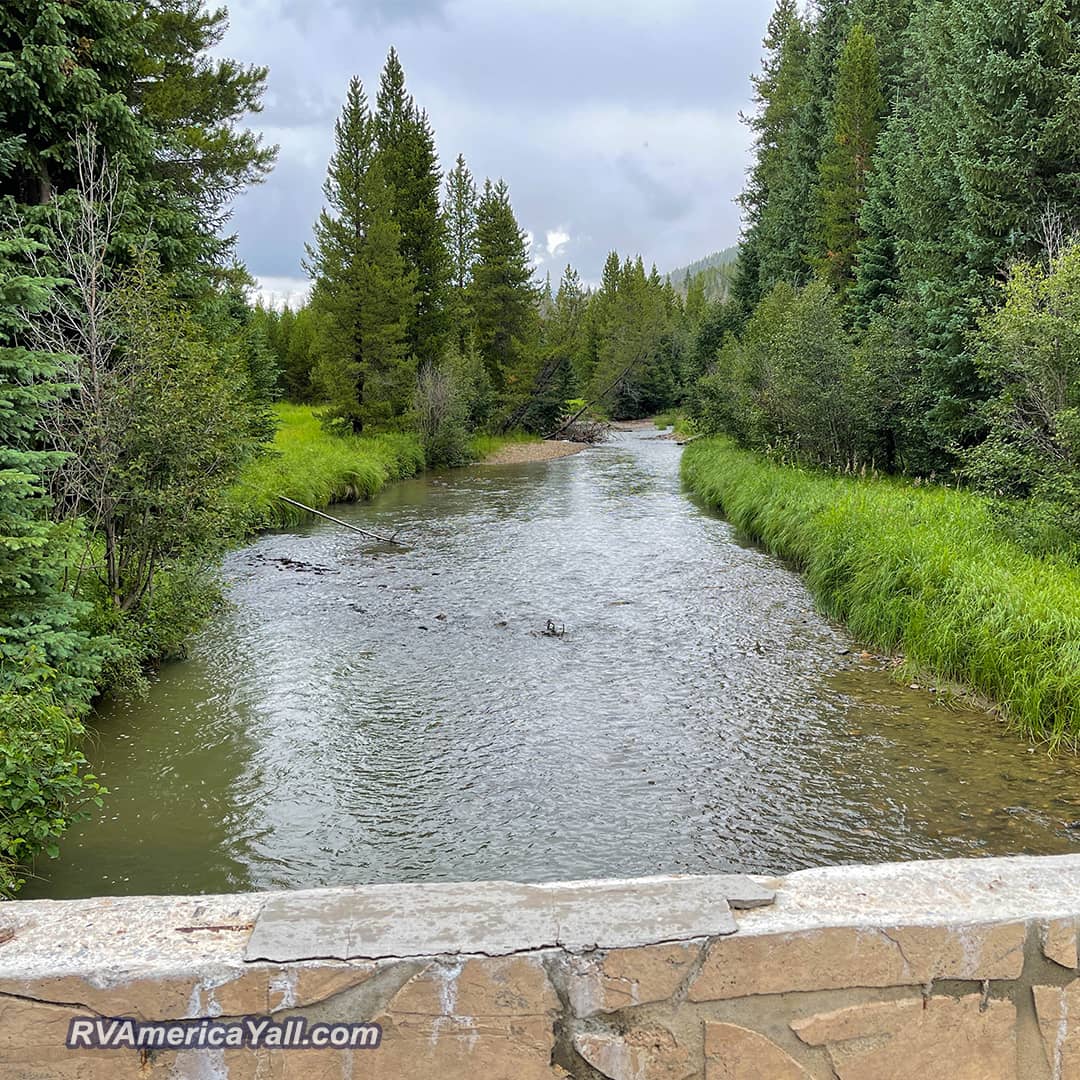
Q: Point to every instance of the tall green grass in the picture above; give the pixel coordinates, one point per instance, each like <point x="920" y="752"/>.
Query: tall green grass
<point x="308" y="464"/>
<point x="917" y="570"/>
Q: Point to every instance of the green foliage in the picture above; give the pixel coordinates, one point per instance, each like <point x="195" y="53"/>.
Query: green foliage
<point x="45" y="784"/>
<point x="845" y="164"/>
<point x="503" y="300"/>
<point x="36" y="612"/>
<point x="787" y="384"/>
<point x="460" y="212"/>
<point x="411" y="172"/>
<point x="1028" y="349"/>
<point x="366" y="293"/>
<point x="312" y="466"/>
<point x="919" y="570"/>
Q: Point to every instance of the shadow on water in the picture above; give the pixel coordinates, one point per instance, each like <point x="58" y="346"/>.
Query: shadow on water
<point x="364" y="713"/>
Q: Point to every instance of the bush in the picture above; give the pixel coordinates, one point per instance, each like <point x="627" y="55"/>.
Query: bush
<point x="441" y="407"/>
<point x="44" y="783"/>
<point x="1029" y="351"/>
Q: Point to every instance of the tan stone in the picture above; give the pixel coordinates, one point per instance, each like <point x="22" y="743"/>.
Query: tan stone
<point x="496" y="986"/>
<point x="228" y="993"/>
<point x="939" y="1038"/>
<point x="839" y="957"/>
<point x="298" y="988"/>
<point x="459" y="1048"/>
<point x="646" y="1053"/>
<point x="1059" y="942"/>
<point x="737" y="1053"/>
<point x="623" y="978"/>
<point x="30" y="1030"/>
<point x="1055" y="1007"/>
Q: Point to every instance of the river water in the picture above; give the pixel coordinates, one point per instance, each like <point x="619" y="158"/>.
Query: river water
<point x="365" y="714"/>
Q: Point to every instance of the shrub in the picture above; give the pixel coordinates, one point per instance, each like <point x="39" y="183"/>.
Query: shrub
<point x="44" y="783"/>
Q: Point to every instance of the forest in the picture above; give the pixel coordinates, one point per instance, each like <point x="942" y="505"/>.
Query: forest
<point x="151" y="414"/>
<point x="906" y="282"/>
<point x="905" y="300"/>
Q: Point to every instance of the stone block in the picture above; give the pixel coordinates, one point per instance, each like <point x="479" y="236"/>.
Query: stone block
<point x="623" y="978"/>
<point x="841" y="957"/>
<point x="644" y="1053"/>
<point x="737" y="1053"/>
<point x="936" y="1038"/>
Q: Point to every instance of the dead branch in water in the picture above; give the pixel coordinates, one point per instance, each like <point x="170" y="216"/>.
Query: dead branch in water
<point x="338" y="521"/>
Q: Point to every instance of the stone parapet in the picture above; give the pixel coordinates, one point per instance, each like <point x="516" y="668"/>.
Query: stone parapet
<point x="958" y="969"/>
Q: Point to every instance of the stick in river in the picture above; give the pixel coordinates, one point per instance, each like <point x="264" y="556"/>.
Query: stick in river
<point x="338" y="521"/>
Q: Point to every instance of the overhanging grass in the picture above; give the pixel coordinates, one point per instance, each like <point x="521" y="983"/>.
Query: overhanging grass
<point x="916" y="570"/>
<point x="313" y="467"/>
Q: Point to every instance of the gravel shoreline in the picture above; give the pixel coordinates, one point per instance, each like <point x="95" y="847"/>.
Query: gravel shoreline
<point x="520" y="453"/>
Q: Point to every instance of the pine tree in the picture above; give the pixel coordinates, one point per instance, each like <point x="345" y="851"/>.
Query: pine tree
<point x="856" y="122"/>
<point x="776" y="200"/>
<point x="503" y="299"/>
<point x="411" y="169"/>
<point x="364" y="293"/>
<point x="163" y="113"/>
<point x="387" y="292"/>
<point x="38" y="618"/>
<point x="877" y="271"/>
<point x="333" y="259"/>
<point x="461" y="200"/>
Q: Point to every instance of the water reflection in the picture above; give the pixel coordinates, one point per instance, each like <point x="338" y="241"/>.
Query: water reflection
<point x="371" y="714"/>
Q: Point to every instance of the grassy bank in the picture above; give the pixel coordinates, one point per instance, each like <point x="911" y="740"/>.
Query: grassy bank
<point x="313" y="467"/>
<point x="916" y="570"/>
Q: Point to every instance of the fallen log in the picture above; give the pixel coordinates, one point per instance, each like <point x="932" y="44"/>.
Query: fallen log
<point x="346" y="524"/>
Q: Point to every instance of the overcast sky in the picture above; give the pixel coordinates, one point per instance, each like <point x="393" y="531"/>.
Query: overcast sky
<point x="615" y="122"/>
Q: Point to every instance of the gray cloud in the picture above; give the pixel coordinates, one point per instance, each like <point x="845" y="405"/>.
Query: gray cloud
<point x="613" y="121"/>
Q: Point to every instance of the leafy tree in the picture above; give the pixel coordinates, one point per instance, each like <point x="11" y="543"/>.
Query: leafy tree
<point x="1028" y="349"/>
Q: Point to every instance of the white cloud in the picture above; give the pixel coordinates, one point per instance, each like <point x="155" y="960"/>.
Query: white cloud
<point x="276" y="292"/>
<point x="557" y="239"/>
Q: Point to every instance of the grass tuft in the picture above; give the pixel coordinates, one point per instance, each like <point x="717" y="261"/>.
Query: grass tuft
<point x="917" y="570"/>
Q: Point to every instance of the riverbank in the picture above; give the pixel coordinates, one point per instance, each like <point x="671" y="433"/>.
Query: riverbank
<point x="921" y="571"/>
<point x="309" y="465"/>
<point x="521" y="453"/>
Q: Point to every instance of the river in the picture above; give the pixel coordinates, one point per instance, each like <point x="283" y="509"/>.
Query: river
<point x="362" y="713"/>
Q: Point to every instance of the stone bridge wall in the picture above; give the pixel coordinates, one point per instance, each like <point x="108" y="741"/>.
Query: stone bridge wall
<point x="963" y="969"/>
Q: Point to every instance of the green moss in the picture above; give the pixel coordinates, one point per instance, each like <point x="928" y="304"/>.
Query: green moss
<point x="918" y="570"/>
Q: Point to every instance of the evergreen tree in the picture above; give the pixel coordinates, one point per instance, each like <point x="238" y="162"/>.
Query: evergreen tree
<point x="190" y="99"/>
<point x="364" y="292"/>
<point x="856" y="122"/>
<point x="38" y="618"/>
<point x="388" y="294"/>
<point x="333" y="259"/>
<point x="776" y="200"/>
<point x="461" y="199"/>
<point x="877" y="271"/>
<point x="163" y="113"/>
<point x="503" y="299"/>
<point x="411" y="170"/>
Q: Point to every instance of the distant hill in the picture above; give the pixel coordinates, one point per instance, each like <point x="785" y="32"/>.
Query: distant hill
<point x="717" y="269"/>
